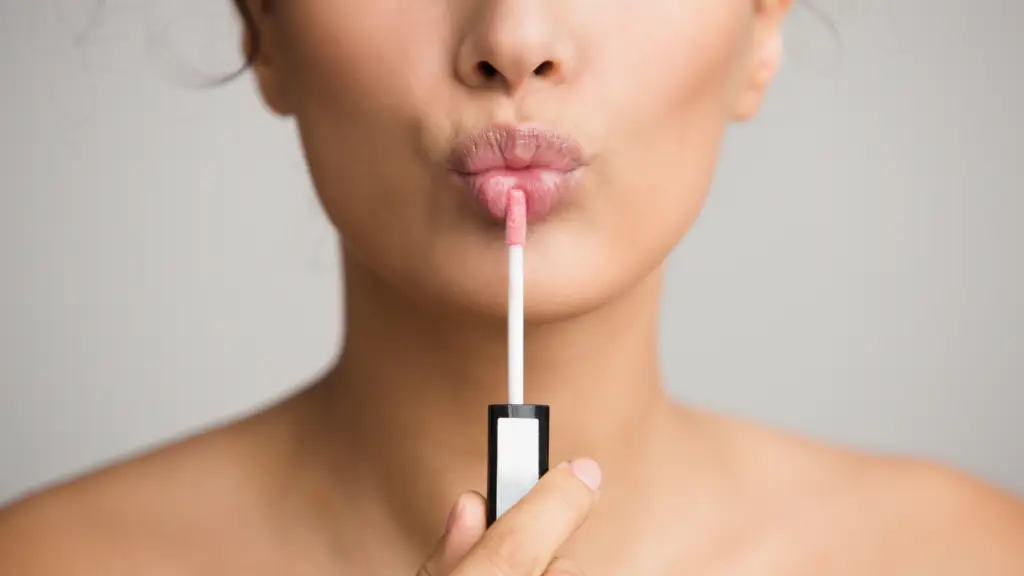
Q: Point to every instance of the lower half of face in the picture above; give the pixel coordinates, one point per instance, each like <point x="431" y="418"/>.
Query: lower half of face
<point x="388" y="93"/>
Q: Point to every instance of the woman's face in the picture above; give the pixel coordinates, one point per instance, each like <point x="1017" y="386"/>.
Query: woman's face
<point x="608" y="112"/>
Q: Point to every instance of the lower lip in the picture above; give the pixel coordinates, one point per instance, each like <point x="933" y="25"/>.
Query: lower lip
<point x="544" y="189"/>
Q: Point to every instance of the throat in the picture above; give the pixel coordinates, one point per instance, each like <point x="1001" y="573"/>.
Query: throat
<point x="404" y="411"/>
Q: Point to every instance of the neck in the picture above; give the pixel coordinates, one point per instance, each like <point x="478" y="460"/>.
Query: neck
<point x="407" y="402"/>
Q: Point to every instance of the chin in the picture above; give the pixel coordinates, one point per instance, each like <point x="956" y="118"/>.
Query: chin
<point x="560" y="284"/>
<point x="545" y="301"/>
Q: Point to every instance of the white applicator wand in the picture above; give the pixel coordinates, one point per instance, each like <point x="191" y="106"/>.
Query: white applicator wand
<point x="517" y="433"/>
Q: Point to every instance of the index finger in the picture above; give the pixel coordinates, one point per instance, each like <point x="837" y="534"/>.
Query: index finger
<point x="524" y="540"/>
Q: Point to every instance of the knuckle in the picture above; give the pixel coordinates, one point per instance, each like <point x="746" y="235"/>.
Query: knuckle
<point x="562" y="571"/>
<point x="562" y="567"/>
<point x="510" y="555"/>
<point x="426" y="570"/>
<point x="559" y="508"/>
<point x="567" y="497"/>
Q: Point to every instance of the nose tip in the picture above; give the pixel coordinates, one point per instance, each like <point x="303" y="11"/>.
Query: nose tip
<point x="510" y="44"/>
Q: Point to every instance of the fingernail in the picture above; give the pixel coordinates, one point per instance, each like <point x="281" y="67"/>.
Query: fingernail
<point x="453" y="516"/>
<point x="588" y="471"/>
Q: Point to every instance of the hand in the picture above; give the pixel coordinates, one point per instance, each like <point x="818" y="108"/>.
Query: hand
<point x="525" y="539"/>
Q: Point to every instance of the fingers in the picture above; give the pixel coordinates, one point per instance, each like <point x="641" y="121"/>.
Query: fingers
<point x="524" y="540"/>
<point x="466" y="524"/>
<point x="466" y="527"/>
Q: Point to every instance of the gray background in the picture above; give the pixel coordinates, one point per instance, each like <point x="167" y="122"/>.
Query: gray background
<point x="856" y="276"/>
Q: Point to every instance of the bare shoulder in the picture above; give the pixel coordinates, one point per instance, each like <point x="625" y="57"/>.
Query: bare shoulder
<point x="134" y="516"/>
<point x="942" y="517"/>
<point x="844" y="509"/>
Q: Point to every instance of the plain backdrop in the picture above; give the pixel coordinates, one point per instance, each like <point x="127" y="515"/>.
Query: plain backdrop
<point x="857" y="274"/>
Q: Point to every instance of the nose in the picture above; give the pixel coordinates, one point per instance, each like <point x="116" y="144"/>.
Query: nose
<point x="508" y="43"/>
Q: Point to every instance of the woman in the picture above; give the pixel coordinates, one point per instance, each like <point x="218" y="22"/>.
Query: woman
<point x="610" y="115"/>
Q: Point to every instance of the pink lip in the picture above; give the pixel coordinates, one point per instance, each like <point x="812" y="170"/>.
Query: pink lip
<point x="543" y="164"/>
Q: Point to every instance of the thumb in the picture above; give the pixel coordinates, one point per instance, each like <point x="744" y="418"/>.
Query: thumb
<point x="466" y="524"/>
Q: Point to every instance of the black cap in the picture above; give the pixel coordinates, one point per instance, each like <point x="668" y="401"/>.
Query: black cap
<point x="517" y="453"/>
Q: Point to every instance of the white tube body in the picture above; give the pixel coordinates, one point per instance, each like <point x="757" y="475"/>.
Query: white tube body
<point x="515" y="324"/>
<point x="518" y="468"/>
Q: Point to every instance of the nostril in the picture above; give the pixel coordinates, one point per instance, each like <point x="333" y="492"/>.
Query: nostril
<point x="546" y="68"/>
<point x="489" y="73"/>
<point x="486" y="70"/>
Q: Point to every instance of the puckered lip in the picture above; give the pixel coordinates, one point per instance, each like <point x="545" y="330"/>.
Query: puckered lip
<point x="516" y="147"/>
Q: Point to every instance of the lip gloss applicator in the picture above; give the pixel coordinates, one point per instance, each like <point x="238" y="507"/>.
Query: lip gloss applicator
<point x="517" y="433"/>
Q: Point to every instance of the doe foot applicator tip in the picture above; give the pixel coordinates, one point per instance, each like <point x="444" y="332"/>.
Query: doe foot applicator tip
<point x="515" y="219"/>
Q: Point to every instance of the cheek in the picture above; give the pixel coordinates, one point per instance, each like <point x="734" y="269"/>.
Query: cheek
<point x="363" y="51"/>
<point x="357" y="93"/>
<point x="680" y="64"/>
<point x="659" y="80"/>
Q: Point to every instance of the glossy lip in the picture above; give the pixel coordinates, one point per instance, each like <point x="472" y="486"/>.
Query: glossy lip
<point x="543" y="163"/>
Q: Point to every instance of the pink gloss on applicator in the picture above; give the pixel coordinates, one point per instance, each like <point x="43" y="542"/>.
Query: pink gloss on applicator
<point x="517" y="433"/>
<point x="515" y="218"/>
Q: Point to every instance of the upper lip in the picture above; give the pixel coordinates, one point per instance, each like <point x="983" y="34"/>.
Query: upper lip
<point x="516" y="148"/>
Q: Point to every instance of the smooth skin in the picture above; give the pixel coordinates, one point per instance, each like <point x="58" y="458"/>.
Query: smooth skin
<point x="357" y="473"/>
